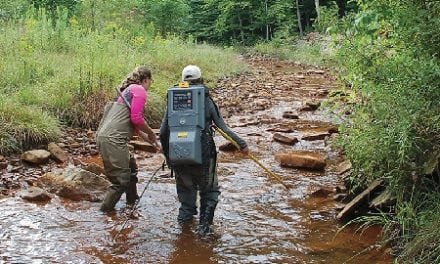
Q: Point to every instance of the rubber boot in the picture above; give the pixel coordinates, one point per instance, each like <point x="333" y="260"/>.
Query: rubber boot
<point x="185" y="215"/>
<point x="111" y="198"/>
<point x="131" y="193"/>
<point x="206" y="219"/>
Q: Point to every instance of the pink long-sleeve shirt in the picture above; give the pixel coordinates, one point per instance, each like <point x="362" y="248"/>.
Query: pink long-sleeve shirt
<point x="138" y="97"/>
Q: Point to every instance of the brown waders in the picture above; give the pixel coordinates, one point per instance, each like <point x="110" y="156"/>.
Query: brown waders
<point x="114" y="133"/>
<point x="121" y="170"/>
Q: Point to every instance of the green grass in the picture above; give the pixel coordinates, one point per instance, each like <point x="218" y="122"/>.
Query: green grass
<point x="65" y="74"/>
<point x="23" y="126"/>
<point x="420" y="233"/>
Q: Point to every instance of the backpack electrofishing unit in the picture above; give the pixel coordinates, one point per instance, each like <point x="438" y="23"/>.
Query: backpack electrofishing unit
<point x="186" y="121"/>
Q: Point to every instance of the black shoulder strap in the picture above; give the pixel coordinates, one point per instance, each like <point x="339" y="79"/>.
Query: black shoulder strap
<point x="215" y="105"/>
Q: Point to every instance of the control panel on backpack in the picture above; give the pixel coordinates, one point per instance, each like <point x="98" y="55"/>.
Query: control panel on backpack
<point x="186" y="120"/>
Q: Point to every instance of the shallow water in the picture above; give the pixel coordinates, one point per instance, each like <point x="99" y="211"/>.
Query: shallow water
<point x="257" y="220"/>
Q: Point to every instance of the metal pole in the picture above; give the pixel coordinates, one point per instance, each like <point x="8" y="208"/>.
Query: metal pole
<point x="252" y="157"/>
<point x="137" y="202"/>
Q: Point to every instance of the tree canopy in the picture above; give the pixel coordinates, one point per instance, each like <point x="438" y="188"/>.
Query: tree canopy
<point x="223" y="22"/>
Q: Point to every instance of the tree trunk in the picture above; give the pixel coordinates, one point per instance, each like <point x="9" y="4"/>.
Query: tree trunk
<point x="342" y="4"/>
<point x="267" y="24"/>
<point x="241" y="29"/>
<point x="298" y="14"/>
<point x="317" y="11"/>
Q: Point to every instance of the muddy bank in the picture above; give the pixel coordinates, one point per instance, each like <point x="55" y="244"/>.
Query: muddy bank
<point x="257" y="221"/>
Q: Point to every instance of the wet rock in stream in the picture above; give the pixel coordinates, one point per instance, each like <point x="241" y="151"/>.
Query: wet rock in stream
<point x="34" y="194"/>
<point x="289" y="140"/>
<point x="302" y="159"/>
<point x="75" y="184"/>
<point x="57" y="152"/>
<point x="37" y="156"/>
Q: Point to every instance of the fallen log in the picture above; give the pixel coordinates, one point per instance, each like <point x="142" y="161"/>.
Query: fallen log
<point x="359" y="200"/>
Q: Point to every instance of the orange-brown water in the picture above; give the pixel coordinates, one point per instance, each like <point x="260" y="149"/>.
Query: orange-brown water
<point x="257" y="220"/>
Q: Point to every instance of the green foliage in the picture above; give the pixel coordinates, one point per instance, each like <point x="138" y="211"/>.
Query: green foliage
<point x="420" y="226"/>
<point x="22" y="126"/>
<point x="202" y="17"/>
<point x="316" y="50"/>
<point x="394" y="68"/>
<point x="168" y="16"/>
<point x="53" y="5"/>
<point x="244" y="22"/>
<point x="328" y="20"/>
<point x="12" y="9"/>
<point x="68" y="69"/>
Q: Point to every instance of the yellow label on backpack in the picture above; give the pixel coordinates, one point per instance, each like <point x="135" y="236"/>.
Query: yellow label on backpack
<point x="182" y="134"/>
<point x="184" y="85"/>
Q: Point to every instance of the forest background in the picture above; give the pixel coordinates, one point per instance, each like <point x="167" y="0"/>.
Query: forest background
<point x="61" y="60"/>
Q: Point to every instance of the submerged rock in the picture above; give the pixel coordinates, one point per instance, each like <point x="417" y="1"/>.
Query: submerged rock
<point x="285" y="139"/>
<point x="290" y="115"/>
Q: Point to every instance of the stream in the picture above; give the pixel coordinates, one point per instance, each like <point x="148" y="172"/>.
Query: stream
<point x="257" y="220"/>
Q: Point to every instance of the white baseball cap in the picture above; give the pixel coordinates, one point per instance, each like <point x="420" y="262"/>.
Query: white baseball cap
<point x="191" y="72"/>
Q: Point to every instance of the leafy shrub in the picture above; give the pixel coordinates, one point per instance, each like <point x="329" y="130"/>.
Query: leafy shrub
<point x="394" y="133"/>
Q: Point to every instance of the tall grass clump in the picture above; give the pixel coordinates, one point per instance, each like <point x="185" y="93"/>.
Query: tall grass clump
<point x="393" y="134"/>
<point x="64" y="70"/>
<point x="22" y="126"/>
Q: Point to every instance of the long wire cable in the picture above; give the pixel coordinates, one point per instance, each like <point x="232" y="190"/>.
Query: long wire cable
<point x="136" y="203"/>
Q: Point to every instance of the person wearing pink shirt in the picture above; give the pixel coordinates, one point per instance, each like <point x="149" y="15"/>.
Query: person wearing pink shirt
<point x="121" y="120"/>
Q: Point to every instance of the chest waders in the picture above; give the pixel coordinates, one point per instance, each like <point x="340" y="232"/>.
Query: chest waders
<point x="191" y="151"/>
<point x="113" y="135"/>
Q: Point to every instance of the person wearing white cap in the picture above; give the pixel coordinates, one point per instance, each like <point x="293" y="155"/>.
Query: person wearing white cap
<point x="202" y="179"/>
<point x="192" y="73"/>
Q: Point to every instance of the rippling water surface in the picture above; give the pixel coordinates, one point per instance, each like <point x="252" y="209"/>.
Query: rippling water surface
<point x="257" y="220"/>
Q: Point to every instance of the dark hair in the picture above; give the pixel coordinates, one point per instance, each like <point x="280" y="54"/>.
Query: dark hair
<point x="136" y="77"/>
<point x="196" y="81"/>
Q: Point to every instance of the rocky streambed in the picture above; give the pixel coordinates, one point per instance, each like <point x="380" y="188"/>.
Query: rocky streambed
<point x="50" y="205"/>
